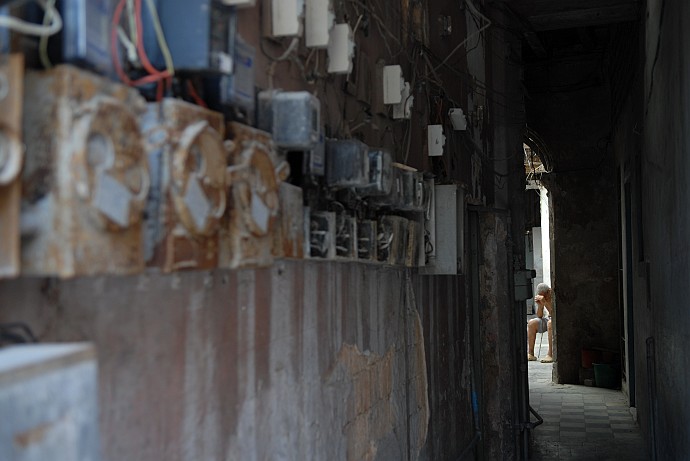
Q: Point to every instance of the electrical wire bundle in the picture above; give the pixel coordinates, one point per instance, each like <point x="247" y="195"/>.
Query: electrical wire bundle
<point x="132" y="40"/>
<point x="52" y="23"/>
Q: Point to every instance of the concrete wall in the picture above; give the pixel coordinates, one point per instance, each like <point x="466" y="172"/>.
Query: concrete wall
<point x="576" y="127"/>
<point x="309" y="360"/>
<point x="662" y="186"/>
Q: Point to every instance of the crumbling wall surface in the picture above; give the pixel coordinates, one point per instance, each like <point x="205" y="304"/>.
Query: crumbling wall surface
<point x="665" y="195"/>
<point x="575" y="124"/>
<point x="497" y="379"/>
<point x="304" y="360"/>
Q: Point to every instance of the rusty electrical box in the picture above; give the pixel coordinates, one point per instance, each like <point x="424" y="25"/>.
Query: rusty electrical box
<point x="188" y="198"/>
<point x="393" y="240"/>
<point x="254" y="175"/>
<point x="289" y="235"/>
<point x="85" y="178"/>
<point x="11" y="157"/>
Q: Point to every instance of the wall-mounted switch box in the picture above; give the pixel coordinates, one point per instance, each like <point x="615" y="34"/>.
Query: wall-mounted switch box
<point x="341" y="49"/>
<point x="254" y="174"/>
<point x="393" y="83"/>
<point x="380" y="174"/>
<point x="200" y="35"/>
<point x="347" y="163"/>
<point x="11" y="159"/>
<point x="318" y="22"/>
<point x="436" y="140"/>
<point x="229" y="92"/>
<point x="296" y="120"/>
<point x="188" y="198"/>
<point x="414" y="194"/>
<point x="322" y="233"/>
<point x="283" y="18"/>
<point x="85" y="178"/>
<point x="404" y="109"/>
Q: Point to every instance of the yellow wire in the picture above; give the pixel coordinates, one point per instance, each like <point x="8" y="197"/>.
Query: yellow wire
<point x="160" y="36"/>
<point x="43" y="42"/>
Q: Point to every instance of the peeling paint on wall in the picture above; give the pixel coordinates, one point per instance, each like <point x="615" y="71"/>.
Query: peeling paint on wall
<point x="372" y="410"/>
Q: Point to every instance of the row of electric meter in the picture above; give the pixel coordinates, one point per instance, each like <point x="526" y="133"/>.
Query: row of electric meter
<point x="293" y="118"/>
<point x="110" y="184"/>
<point x="390" y="239"/>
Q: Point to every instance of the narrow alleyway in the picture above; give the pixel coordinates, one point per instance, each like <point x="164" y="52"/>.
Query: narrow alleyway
<point x="580" y="423"/>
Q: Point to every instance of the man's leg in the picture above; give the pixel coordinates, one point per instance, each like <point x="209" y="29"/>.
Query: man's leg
<point x="532" y="327"/>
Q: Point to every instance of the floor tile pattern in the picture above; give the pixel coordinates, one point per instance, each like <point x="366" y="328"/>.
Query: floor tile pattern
<point x="581" y="423"/>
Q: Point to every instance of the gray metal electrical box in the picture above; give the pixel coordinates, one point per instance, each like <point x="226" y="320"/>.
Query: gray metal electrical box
<point x="447" y="240"/>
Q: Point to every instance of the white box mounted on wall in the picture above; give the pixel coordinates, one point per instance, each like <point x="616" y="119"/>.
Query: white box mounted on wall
<point x="239" y="3"/>
<point x="458" y="119"/>
<point x="393" y="84"/>
<point x="318" y="22"/>
<point x="283" y="18"/>
<point x="341" y="49"/>
<point x="436" y="140"/>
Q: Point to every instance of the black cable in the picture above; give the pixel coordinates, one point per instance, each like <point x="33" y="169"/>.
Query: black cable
<point x="656" y="56"/>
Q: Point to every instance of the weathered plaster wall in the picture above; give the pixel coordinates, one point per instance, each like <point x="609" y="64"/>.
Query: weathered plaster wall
<point x="306" y="360"/>
<point x="576" y="126"/>
<point x="497" y="335"/>
<point x="662" y="313"/>
<point x="443" y="309"/>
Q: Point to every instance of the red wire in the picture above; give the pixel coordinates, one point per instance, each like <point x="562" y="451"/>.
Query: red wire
<point x="154" y="74"/>
<point x="195" y="96"/>
<point x="141" y="51"/>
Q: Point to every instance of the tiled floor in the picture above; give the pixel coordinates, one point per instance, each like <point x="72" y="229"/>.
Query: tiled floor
<point x="581" y="423"/>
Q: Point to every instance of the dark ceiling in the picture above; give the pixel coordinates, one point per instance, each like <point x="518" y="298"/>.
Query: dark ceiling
<point x="569" y="27"/>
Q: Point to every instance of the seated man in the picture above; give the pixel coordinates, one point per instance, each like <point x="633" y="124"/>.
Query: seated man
<point x="542" y="323"/>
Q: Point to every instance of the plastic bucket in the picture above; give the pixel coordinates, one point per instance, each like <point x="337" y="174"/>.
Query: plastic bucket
<point x="590" y="356"/>
<point x="605" y="375"/>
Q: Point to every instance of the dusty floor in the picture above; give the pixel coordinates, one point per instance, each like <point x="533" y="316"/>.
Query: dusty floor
<point x="581" y="423"/>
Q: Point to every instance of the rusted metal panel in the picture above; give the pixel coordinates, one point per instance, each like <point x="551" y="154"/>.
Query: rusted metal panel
<point x="85" y="179"/>
<point x="11" y="158"/>
<point x="254" y="175"/>
<point x="188" y="196"/>
<point x="289" y="235"/>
